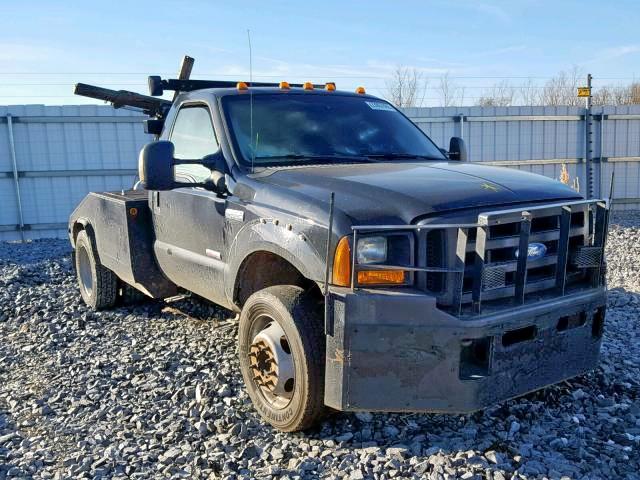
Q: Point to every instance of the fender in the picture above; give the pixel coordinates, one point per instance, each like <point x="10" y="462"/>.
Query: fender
<point x="82" y="221"/>
<point x="293" y="245"/>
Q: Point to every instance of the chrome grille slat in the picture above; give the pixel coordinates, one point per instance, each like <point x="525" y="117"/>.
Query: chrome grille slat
<point x="512" y="241"/>
<point x="532" y="287"/>
<point x="541" y="262"/>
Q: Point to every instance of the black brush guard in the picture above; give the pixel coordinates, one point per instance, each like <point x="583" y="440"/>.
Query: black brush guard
<point x="488" y="280"/>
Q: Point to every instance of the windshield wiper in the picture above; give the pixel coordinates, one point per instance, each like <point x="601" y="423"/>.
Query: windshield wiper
<point x="329" y="156"/>
<point x="393" y="155"/>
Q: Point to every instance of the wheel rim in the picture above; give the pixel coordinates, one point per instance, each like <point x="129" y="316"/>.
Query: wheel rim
<point x="271" y="363"/>
<point x="84" y="270"/>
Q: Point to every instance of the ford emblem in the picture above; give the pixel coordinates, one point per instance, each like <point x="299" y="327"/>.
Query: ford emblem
<point x="535" y="251"/>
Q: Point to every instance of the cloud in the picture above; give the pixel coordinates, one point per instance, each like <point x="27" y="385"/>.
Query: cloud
<point x="620" y="51"/>
<point x="613" y="53"/>
<point x="502" y="51"/>
<point x="265" y="67"/>
<point x="493" y="10"/>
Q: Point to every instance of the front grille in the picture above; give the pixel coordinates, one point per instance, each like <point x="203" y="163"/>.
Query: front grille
<point x="493" y="274"/>
<point x="505" y="258"/>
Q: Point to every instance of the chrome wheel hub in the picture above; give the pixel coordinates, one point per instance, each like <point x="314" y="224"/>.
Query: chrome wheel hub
<point x="84" y="267"/>
<point x="272" y="365"/>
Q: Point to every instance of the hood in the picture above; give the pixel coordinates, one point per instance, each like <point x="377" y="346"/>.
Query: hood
<point x="401" y="191"/>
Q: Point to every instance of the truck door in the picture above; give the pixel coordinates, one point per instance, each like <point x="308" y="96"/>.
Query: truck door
<point x="189" y="221"/>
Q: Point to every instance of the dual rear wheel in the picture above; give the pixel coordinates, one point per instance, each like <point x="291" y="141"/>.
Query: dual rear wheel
<point x="100" y="288"/>
<point x="98" y="285"/>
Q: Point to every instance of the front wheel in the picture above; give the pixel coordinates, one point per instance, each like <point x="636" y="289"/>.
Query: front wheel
<point x="282" y="351"/>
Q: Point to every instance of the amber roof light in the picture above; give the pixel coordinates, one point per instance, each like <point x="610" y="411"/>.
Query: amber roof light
<point x="308" y="86"/>
<point x="284" y="85"/>
<point x="361" y="90"/>
<point x="330" y="87"/>
<point x="241" y="86"/>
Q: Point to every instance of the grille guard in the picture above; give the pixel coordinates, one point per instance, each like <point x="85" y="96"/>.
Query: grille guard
<point x="589" y="257"/>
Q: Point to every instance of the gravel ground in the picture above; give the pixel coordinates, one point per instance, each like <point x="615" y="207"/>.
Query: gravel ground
<point x="155" y="391"/>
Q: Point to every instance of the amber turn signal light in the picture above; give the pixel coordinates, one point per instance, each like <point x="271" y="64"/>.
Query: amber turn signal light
<point x="381" y="277"/>
<point x="342" y="263"/>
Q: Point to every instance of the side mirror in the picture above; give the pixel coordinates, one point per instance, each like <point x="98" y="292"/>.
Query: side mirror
<point x="457" y="149"/>
<point x="156" y="162"/>
<point x="155" y="165"/>
<point x="218" y="166"/>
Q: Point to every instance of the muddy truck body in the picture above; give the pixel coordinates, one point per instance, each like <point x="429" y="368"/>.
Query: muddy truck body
<point x="372" y="270"/>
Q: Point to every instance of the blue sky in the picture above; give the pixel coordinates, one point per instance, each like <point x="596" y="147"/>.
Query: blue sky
<point x="47" y="46"/>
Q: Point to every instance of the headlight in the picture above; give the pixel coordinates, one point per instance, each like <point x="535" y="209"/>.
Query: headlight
<point x="372" y="250"/>
<point x="376" y="251"/>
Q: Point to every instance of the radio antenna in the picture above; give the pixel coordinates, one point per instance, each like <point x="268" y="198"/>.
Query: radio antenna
<point x="254" y="145"/>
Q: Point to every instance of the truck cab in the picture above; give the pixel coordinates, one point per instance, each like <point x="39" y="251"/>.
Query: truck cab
<point x="371" y="269"/>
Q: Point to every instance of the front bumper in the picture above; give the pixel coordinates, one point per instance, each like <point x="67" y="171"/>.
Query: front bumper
<point x="395" y="351"/>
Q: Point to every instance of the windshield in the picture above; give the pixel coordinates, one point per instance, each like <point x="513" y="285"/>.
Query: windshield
<point x="291" y="128"/>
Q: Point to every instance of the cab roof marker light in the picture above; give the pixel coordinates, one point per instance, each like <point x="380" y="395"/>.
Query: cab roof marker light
<point x="308" y="86"/>
<point x="284" y="86"/>
<point x="360" y="90"/>
<point x="241" y="86"/>
<point x="330" y="87"/>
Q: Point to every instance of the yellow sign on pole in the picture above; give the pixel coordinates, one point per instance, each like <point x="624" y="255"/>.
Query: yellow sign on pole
<point x="584" y="92"/>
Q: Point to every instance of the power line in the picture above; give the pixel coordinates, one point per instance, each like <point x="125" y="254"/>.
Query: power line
<point x="256" y="76"/>
<point x="316" y="75"/>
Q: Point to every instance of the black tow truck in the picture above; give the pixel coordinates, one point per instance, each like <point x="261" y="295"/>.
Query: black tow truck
<point x="372" y="270"/>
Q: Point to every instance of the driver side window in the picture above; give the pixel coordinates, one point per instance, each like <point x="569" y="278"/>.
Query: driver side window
<point x="194" y="138"/>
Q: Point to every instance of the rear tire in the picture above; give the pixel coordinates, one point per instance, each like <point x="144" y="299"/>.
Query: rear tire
<point x="98" y="285"/>
<point x="293" y="400"/>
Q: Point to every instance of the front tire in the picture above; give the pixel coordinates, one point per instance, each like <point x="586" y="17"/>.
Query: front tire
<point x="282" y="352"/>
<point x="98" y="285"/>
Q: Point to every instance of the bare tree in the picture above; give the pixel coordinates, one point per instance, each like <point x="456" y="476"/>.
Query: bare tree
<point x="500" y="95"/>
<point x="406" y="88"/>
<point x="617" y="95"/>
<point x="450" y="92"/>
<point x="529" y="94"/>
<point x="605" y="96"/>
<point x="561" y="89"/>
<point x="634" y="93"/>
